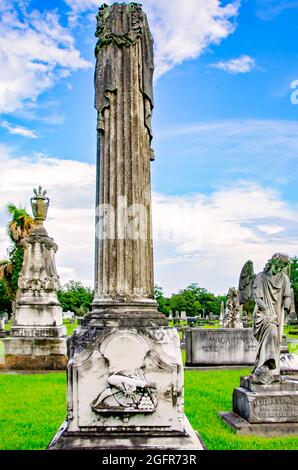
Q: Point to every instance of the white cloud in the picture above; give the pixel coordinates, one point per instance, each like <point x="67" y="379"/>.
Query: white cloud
<point x="182" y="29"/>
<point x="198" y="238"/>
<point x="70" y="186"/>
<point x="270" y="229"/>
<point x="242" y="64"/>
<point x="19" y="130"/>
<point x="35" y="51"/>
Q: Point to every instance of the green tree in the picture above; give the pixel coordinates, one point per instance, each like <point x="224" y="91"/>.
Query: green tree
<point x="177" y="303"/>
<point x="18" y="228"/>
<point x="195" y="300"/>
<point x="5" y="302"/>
<point x="75" y="297"/>
<point x="162" y="301"/>
<point x="294" y="279"/>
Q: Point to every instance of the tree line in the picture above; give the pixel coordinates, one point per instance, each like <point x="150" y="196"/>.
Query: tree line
<point x="73" y="296"/>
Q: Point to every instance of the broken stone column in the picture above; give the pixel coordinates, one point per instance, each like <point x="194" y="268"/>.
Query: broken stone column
<point x="125" y="375"/>
<point x="37" y="338"/>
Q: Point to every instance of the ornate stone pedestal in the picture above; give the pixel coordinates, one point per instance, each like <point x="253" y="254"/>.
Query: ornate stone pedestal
<point x="125" y="390"/>
<point x="268" y="410"/>
<point x="37" y="339"/>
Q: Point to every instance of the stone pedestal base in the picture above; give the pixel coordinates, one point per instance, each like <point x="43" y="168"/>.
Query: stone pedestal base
<point x="244" y="428"/>
<point x="35" y="353"/>
<point x="128" y="440"/>
<point x="264" y="409"/>
<point x="125" y="390"/>
<point x="275" y="403"/>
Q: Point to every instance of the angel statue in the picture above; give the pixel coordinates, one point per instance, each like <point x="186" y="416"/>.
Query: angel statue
<point x="271" y="292"/>
<point x="233" y="311"/>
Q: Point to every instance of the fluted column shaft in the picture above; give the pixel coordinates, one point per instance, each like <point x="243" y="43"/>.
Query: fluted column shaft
<point x="124" y="258"/>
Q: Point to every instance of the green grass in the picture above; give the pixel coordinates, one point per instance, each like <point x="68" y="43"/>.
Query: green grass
<point x="70" y="327"/>
<point x="33" y="407"/>
<point x="207" y="393"/>
<point x="293" y="348"/>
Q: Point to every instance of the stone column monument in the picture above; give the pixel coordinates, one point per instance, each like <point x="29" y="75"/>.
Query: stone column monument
<point x="125" y="374"/>
<point x="38" y="338"/>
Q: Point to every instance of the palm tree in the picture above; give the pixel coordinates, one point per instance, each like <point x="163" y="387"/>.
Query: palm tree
<point x="20" y="225"/>
<point x="6" y="271"/>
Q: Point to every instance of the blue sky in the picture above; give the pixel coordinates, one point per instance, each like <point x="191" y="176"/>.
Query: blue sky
<point x="225" y="129"/>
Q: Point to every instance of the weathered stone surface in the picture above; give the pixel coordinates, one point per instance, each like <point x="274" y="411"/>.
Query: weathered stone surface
<point x="232" y="317"/>
<point x="220" y="347"/>
<point x="124" y="101"/>
<point x="125" y="388"/>
<point x="111" y="439"/>
<point x="243" y="427"/>
<point x="37" y="335"/>
<point x="289" y="364"/>
<point x="275" y="403"/>
<point x="125" y="375"/>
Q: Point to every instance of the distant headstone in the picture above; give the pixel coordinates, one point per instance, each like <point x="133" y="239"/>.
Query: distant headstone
<point x="183" y="315"/>
<point x="68" y="315"/>
<point x="2" y="327"/>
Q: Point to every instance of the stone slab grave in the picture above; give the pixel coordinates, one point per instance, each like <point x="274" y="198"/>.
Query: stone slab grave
<point x="37" y="339"/>
<point x="219" y="347"/>
<point x="265" y="410"/>
<point x="125" y="374"/>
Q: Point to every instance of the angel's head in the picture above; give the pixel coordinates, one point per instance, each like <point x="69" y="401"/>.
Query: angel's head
<point x="278" y="263"/>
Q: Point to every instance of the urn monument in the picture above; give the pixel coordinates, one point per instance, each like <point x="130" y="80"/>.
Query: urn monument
<point x="37" y="338"/>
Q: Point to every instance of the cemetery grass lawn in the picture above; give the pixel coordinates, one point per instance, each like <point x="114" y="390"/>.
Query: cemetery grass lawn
<point x="33" y="407"/>
<point x="209" y="392"/>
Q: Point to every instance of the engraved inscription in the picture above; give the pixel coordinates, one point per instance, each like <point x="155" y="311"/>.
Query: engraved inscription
<point x="219" y="342"/>
<point x="276" y="407"/>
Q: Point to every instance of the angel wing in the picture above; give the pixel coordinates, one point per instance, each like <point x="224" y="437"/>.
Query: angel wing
<point x="246" y="283"/>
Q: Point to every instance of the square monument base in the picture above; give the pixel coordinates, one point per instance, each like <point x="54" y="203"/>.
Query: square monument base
<point x="35" y="353"/>
<point x="111" y="440"/>
<point x="244" y="428"/>
<point x="264" y="410"/>
<point x="125" y="391"/>
<point x="274" y="403"/>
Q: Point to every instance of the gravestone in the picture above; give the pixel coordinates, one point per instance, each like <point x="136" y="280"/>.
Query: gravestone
<point x="125" y="374"/>
<point x="2" y="327"/>
<point x="37" y="339"/>
<point x="183" y="316"/>
<point x="220" y="346"/>
<point x="292" y="318"/>
<point x="266" y="403"/>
